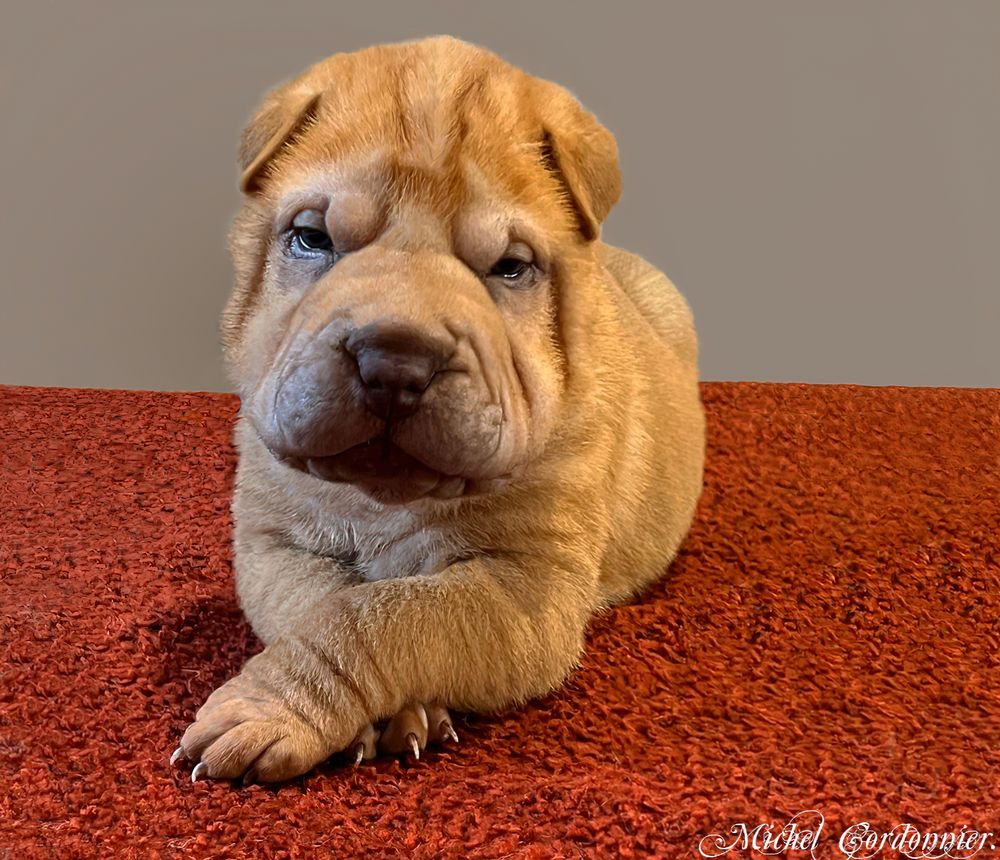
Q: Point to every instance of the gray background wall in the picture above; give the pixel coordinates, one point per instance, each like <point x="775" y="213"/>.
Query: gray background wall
<point x="822" y="179"/>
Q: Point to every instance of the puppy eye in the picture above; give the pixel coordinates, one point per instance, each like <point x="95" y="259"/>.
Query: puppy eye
<point x="311" y="240"/>
<point x="307" y="236"/>
<point x="516" y="268"/>
<point x="510" y="269"/>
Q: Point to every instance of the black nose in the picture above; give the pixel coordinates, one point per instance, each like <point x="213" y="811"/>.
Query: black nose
<point x="396" y="365"/>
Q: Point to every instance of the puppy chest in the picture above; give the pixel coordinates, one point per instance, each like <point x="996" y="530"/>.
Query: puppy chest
<point x="384" y="548"/>
<point x="422" y="552"/>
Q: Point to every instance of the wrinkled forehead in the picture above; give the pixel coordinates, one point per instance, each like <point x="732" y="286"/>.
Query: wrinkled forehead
<point x="441" y="138"/>
<point x="426" y="106"/>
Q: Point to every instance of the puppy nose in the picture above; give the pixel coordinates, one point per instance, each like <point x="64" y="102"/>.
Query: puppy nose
<point x="396" y="365"/>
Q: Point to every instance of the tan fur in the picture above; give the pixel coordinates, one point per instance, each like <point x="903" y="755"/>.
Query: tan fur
<point x="575" y="427"/>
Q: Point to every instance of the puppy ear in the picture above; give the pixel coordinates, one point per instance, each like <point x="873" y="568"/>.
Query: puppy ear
<point x="282" y="115"/>
<point x="584" y="153"/>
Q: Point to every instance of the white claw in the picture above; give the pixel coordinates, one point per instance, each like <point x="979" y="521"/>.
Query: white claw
<point x="412" y="738"/>
<point x="199" y="770"/>
<point x="359" y="754"/>
<point x="178" y="754"/>
<point x="449" y="732"/>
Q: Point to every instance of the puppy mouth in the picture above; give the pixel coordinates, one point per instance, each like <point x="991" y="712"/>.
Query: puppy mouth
<point x="385" y="471"/>
<point x="376" y="459"/>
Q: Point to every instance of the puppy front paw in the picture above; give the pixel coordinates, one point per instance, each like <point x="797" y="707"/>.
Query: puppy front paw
<point x="409" y="730"/>
<point x="244" y="730"/>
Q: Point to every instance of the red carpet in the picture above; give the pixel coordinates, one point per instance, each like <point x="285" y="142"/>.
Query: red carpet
<point x="829" y="639"/>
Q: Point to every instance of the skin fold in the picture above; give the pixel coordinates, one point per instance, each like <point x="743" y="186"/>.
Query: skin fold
<point x="440" y="544"/>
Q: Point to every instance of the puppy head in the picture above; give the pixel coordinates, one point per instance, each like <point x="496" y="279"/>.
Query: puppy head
<point x="416" y="220"/>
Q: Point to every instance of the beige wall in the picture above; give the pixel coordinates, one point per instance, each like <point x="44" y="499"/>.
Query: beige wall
<point x="821" y="178"/>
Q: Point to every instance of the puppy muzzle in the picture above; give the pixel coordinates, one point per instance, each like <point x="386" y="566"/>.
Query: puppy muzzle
<point x="383" y="405"/>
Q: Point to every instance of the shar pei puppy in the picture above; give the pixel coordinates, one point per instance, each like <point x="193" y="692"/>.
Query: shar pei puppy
<point x="467" y="424"/>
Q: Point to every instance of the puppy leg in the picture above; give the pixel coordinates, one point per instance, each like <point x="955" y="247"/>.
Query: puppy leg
<point x="482" y="634"/>
<point x="276" y="584"/>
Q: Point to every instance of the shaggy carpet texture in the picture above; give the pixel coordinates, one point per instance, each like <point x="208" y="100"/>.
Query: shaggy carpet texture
<point x="828" y="640"/>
